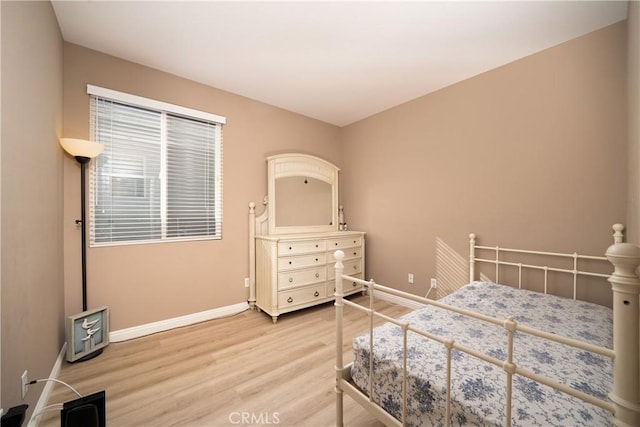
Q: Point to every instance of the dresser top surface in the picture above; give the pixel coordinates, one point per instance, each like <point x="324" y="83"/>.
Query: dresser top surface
<point x="308" y="236"/>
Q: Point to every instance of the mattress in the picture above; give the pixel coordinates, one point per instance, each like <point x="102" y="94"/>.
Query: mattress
<point x="478" y="388"/>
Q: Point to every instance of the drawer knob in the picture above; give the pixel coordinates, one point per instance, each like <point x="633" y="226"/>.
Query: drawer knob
<point x="354" y="284"/>
<point x="355" y="253"/>
<point x="289" y="262"/>
<point x="336" y="243"/>
<point x="316" y="245"/>
<point x="290" y="279"/>
<point x="316" y="259"/>
<point x="317" y="275"/>
<point x="290" y="248"/>
<point x="289" y="300"/>
<point x="355" y="267"/>
<point x="316" y="293"/>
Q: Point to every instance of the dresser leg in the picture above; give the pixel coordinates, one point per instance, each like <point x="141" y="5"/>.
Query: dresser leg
<point x="274" y="318"/>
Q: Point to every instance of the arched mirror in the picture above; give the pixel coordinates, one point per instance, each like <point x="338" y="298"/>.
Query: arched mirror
<point x="302" y="194"/>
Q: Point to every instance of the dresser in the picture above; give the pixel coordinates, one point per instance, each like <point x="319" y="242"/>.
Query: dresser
<point x="291" y="244"/>
<point x="297" y="271"/>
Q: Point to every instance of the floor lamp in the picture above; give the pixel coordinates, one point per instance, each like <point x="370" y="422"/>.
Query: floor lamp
<point x="83" y="151"/>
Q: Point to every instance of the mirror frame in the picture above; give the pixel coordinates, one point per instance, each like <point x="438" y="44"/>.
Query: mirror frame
<point x="302" y="165"/>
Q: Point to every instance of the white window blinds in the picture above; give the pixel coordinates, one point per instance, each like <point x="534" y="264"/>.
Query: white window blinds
<point x="160" y="175"/>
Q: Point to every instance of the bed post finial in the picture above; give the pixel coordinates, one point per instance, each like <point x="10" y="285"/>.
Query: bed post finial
<point x="618" y="233"/>
<point x="472" y="257"/>
<point x="625" y="284"/>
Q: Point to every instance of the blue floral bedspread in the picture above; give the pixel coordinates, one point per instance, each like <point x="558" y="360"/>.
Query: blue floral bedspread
<point x="478" y="388"/>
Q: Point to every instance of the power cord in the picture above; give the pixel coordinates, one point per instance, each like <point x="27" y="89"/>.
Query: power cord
<point x="55" y="406"/>
<point x="48" y="408"/>
<point x="42" y="380"/>
<point x="432" y="287"/>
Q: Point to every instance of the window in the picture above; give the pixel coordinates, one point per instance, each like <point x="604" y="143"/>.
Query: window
<point x="160" y="175"/>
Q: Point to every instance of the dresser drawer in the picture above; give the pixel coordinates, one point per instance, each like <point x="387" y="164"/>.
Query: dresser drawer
<point x="351" y="268"/>
<point x="301" y="247"/>
<point x="301" y="261"/>
<point x="301" y="296"/>
<point x="295" y="278"/>
<point x="348" y="286"/>
<point x="343" y="242"/>
<point x="350" y="253"/>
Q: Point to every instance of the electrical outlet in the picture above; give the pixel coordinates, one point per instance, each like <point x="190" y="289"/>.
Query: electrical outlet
<point x="24" y="381"/>
<point x="246" y="282"/>
<point x="410" y="278"/>
<point x="434" y="283"/>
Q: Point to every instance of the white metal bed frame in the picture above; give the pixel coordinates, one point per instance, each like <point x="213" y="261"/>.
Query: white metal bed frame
<point x="624" y="399"/>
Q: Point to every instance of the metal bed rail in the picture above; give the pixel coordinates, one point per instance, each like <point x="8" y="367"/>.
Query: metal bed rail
<point x="623" y="401"/>
<point x="618" y="237"/>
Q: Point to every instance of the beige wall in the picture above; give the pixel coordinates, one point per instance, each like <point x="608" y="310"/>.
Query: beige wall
<point x="531" y="154"/>
<point x="418" y="178"/>
<point x="633" y="91"/>
<point x="153" y="282"/>
<point x="554" y="123"/>
<point x="31" y="176"/>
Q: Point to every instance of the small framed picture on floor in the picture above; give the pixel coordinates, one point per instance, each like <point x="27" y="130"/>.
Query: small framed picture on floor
<point x="87" y="334"/>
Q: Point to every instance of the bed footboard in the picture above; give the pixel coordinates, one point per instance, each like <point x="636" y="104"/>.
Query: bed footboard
<point x="624" y="399"/>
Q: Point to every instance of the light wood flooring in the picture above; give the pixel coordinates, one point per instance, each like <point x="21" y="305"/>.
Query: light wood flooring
<point x="236" y="371"/>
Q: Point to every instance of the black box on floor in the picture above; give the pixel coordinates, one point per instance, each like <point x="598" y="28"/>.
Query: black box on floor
<point x="87" y="411"/>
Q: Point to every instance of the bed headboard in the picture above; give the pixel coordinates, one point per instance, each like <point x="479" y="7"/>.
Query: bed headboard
<point x="499" y="254"/>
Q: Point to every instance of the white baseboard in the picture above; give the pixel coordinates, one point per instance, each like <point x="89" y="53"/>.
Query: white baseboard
<point x="176" y="322"/>
<point x="48" y="388"/>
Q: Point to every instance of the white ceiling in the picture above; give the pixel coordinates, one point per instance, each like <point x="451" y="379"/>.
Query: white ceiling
<point x="338" y="62"/>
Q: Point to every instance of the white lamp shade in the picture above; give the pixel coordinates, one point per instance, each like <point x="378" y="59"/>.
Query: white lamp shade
<point x="81" y="147"/>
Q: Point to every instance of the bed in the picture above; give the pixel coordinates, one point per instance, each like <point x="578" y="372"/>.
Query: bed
<point x="491" y="354"/>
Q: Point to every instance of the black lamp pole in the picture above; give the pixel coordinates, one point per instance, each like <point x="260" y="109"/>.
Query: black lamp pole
<point x="83" y="151"/>
<point x="83" y="161"/>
